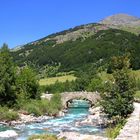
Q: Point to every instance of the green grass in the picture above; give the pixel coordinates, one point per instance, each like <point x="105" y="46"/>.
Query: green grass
<point x="136" y="74"/>
<point x="137" y="95"/>
<point x="8" y="115"/>
<point x="52" y="80"/>
<point x="104" y="76"/>
<point x="134" y="30"/>
<point x="41" y="107"/>
<point x="113" y="131"/>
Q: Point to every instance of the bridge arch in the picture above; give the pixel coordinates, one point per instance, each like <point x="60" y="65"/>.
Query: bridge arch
<point x="93" y="97"/>
<point x="71" y="100"/>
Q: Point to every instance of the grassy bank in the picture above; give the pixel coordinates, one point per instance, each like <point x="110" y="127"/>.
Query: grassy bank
<point x="8" y="115"/>
<point x="41" y="107"/>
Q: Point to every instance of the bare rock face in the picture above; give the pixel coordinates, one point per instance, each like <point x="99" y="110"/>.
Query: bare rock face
<point x="122" y="19"/>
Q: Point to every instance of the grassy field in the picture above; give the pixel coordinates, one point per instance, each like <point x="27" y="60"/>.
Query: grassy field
<point x="52" y="80"/>
<point x="105" y="76"/>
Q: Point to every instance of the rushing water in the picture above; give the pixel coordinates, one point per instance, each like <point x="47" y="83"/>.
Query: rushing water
<point x="78" y="110"/>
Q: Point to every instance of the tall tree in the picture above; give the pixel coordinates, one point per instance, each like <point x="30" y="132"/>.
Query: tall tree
<point x="27" y="84"/>
<point x="117" y="100"/>
<point x="7" y="77"/>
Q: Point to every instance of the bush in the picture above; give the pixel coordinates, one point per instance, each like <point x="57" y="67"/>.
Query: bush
<point x="55" y="104"/>
<point x="96" y="84"/>
<point x="37" y="107"/>
<point x="40" y="107"/>
<point x="8" y="115"/>
<point x="44" y="137"/>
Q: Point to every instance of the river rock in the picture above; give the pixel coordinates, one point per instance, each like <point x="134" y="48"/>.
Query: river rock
<point x="96" y="118"/>
<point x="95" y="110"/>
<point x="61" y="114"/>
<point x="24" y="119"/>
<point x="8" y="134"/>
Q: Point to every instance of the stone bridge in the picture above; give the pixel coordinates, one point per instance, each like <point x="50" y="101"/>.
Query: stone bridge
<point x="93" y="97"/>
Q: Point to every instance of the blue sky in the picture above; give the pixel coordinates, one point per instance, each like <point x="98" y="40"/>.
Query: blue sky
<point x="23" y="21"/>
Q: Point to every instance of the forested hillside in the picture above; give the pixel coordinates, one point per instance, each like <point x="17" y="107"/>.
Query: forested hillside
<point x="74" y="54"/>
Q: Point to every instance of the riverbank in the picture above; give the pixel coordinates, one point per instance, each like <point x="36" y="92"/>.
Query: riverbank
<point x="78" y="136"/>
<point x="54" y="125"/>
<point x="30" y="118"/>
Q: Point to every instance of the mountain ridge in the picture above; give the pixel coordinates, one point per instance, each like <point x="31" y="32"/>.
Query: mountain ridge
<point x="117" y="21"/>
<point x="80" y="46"/>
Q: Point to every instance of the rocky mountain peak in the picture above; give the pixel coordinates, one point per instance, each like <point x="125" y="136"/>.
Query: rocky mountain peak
<point x="121" y="19"/>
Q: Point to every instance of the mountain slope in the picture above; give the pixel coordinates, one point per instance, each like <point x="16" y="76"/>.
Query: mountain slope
<point x="75" y="54"/>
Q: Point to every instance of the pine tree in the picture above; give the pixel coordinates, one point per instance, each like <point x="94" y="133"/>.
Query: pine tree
<point x="7" y="77"/>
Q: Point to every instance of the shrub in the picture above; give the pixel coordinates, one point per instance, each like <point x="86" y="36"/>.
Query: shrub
<point x="96" y="84"/>
<point x="8" y="115"/>
<point x="32" y="108"/>
<point x="36" y="107"/>
<point x="55" y="104"/>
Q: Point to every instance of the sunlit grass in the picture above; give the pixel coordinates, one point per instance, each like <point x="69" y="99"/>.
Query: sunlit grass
<point x="137" y="95"/>
<point x="52" y="80"/>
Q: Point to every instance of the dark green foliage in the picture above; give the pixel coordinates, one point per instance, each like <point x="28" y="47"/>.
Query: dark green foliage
<point x="73" y="55"/>
<point x="27" y="84"/>
<point x="48" y="71"/>
<point x="7" y="77"/>
<point x="96" y="84"/>
<point x="15" y="84"/>
<point x="117" y="100"/>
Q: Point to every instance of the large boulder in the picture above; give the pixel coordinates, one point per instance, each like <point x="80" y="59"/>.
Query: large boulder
<point x="9" y="134"/>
